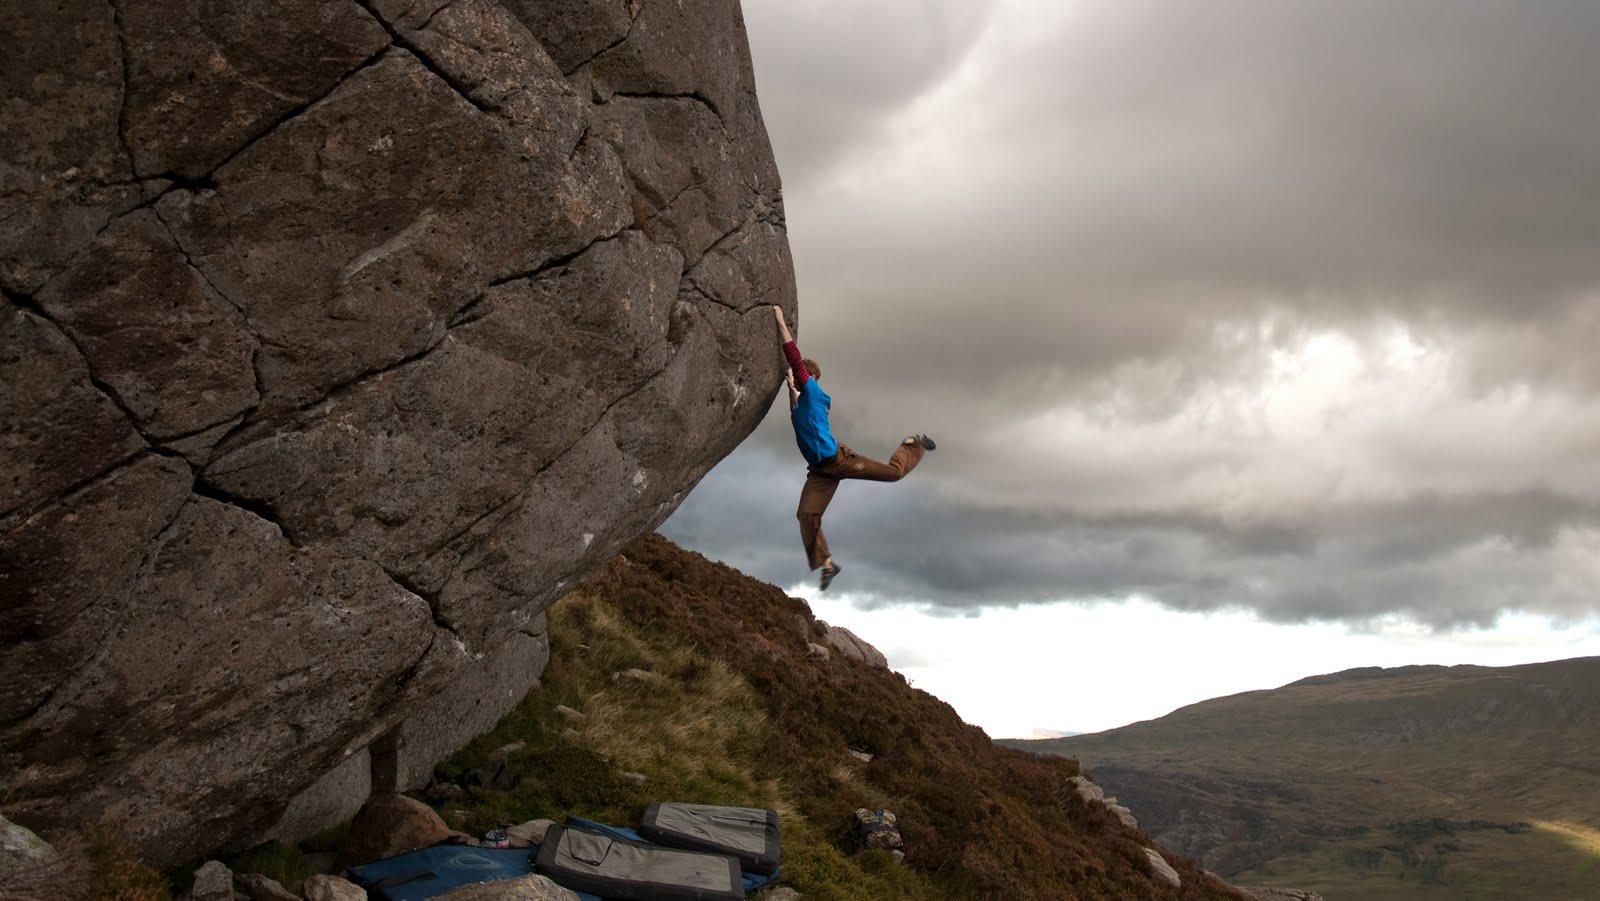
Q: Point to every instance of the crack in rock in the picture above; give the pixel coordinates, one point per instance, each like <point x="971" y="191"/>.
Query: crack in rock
<point x="427" y="61"/>
<point x="633" y="20"/>
<point x="257" y="508"/>
<point x="431" y="598"/>
<point x="30" y="305"/>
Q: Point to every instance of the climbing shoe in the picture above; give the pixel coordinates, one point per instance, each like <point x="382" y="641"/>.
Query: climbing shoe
<point x="828" y="572"/>
<point x="927" y="443"/>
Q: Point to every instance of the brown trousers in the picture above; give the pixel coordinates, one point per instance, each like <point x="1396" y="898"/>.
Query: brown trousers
<point x="823" y="479"/>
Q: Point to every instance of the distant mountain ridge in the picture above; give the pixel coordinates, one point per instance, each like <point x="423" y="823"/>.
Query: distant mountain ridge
<point x="1328" y="778"/>
<point x="1383" y="672"/>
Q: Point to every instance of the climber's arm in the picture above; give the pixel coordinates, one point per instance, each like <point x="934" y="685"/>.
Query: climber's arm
<point x="790" y="351"/>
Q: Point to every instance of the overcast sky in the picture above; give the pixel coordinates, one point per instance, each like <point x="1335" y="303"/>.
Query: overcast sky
<point x="1286" y="308"/>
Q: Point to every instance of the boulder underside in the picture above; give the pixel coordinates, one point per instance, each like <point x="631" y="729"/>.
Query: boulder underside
<point x="339" y="340"/>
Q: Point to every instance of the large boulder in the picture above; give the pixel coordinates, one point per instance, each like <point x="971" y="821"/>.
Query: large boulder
<point x="339" y="339"/>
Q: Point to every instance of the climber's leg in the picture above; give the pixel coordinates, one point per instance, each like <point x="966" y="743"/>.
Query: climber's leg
<point x="814" y="500"/>
<point x="851" y="465"/>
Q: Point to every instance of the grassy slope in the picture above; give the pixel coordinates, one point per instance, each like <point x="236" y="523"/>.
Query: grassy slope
<point x="1334" y="783"/>
<point x="747" y="717"/>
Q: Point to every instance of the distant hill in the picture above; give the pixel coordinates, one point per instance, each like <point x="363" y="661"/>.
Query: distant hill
<point x="1414" y="782"/>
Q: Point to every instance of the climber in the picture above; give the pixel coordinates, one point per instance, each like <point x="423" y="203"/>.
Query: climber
<point x="828" y="461"/>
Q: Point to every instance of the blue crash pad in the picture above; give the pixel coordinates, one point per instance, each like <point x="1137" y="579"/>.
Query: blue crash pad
<point x="431" y="872"/>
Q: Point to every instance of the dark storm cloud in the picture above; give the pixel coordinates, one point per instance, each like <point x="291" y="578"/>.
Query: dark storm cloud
<point x="1281" y="305"/>
<point x="1146" y="168"/>
<point x="1483" y="555"/>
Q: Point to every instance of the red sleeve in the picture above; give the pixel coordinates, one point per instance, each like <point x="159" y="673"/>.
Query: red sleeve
<point x="797" y="363"/>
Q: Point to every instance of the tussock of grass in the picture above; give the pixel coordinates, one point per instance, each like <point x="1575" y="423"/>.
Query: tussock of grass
<point x="119" y="874"/>
<point x="285" y="863"/>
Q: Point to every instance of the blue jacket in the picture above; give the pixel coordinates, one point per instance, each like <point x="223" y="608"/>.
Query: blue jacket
<point x="810" y="418"/>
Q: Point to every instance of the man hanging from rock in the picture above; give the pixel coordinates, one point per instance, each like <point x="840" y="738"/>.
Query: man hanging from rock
<point x="828" y="461"/>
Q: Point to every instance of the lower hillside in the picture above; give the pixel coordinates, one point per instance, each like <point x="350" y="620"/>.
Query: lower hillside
<point x="1423" y="782"/>
<point x="683" y="679"/>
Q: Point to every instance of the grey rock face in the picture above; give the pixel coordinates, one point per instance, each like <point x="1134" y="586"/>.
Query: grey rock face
<point x="337" y="342"/>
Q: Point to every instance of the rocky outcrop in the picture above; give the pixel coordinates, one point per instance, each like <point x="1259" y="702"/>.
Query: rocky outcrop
<point x="877" y="829"/>
<point x="1270" y="893"/>
<point x="1160" y="869"/>
<point x="331" y="888"/>
<point x="1094" y="794"/>
<point x="213" y="881"/>
<point x="341" y="337"/>
<point x="21" y="849"/>
<point x="852" y="646"/>
<point x="262" y="888"/>
<point x="523" y="888"/>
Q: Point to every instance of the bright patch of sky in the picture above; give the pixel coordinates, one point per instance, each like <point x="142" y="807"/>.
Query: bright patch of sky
<point x="1033" y="671"/>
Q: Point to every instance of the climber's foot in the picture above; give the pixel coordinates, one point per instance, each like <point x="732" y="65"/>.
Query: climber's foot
<point x="828" y="572"/>
<point x="926" y="442"/>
